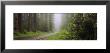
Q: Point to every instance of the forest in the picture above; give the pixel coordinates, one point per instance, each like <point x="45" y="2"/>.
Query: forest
<point x="55" y="26"/>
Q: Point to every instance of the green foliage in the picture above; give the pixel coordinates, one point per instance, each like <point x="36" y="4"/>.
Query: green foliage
<point x="28" y="35"/>
<point x="83" y="28"/>
<point x="62" y="35"/>
<point x="17" y="33"/>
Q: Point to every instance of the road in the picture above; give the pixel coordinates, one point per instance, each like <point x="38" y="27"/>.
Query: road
<point x="44" y="37"/>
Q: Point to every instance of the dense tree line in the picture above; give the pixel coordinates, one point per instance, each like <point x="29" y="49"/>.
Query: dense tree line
<point x="32" y="22"/>
<point x="81" y="26"/>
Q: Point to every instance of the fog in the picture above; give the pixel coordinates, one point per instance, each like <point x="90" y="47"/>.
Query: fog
<point x="57" y="21"/>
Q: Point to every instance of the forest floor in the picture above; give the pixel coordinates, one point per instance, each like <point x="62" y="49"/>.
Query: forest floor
<point x="44" y="36"/>
<point x="34" y="37"/>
